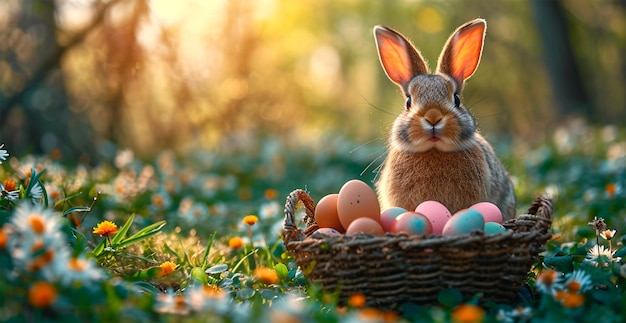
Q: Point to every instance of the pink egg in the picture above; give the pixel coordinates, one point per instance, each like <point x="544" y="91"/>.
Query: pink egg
<point x="490" y="211"/>
<point x="464" y="222"/>
<point x="388" y="217"/>
<point x="437" y="213"/>
<point x="365" y="225"/>
<point x="412" y="223"/>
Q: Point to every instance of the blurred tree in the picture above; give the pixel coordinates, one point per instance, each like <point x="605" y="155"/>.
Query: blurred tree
<point x="33" y="81"/>
<point x="568" y="92"/>
<point x="156" y="74"/>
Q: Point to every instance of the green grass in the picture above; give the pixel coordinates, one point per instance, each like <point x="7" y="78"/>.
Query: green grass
<point x="188" y="210"/>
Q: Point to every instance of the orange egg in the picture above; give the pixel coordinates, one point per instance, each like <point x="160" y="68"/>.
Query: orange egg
<point x="365" y="225"/>
<point x="326" y="214"/>
<point x="357" y="200"/>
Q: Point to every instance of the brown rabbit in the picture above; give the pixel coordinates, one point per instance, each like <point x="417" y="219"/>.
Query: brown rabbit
<point x="435" y="151"/>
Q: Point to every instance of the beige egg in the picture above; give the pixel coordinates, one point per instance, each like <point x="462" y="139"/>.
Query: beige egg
<point x="357" y="200"/>
<point x="326" y="214"/>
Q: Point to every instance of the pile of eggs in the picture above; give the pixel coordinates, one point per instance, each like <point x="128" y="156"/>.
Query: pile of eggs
<point x="356" y="210"/>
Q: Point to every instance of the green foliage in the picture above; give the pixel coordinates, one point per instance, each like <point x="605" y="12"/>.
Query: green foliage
<point x="183" y="252"/>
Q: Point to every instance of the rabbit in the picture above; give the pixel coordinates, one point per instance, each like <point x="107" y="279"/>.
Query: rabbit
<point x="435" y="151"/>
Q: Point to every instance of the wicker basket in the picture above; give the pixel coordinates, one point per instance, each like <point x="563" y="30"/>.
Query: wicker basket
<point x="392" y="269"/>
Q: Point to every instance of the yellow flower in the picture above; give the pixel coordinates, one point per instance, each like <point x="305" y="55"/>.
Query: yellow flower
<point x="105" y="228"/>
<point x="235" y="242"/>
<point x="167" y="268"/>
<point x="266" y="275"/>
<point x="467" y="313"/>
<point x="42" y="294"/>
<point x="250" y="219"/>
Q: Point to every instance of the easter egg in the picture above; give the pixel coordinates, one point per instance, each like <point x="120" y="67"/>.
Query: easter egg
<point x="388" y="217"/>
<point x="357" y="200"/>
<point x="494" y="228"/>
<point x="324" y="233"/>
<point x="490" y="211"/>
<point x="437" y="213"/>
<point x="365" y="225"/>
<point x="326" y="214"/>
<point x="412" y="223"/>
<point x="464" y="222"/>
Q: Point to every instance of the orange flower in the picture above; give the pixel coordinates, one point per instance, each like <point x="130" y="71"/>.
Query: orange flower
<point x="570" y="299"/>
<point x="610" y="189"/>
<point x="250" y="219"/>
<point x="37" y="223"/>
<point x="271" y="194"/>
<point x="77" y="264"/>
<point x="105" y="228"/>
<point x="357" y="300"/>
<point x="9" y="185"/>
<point x="42" y="294"/>
<point x="167" y="268"/>
<point x="235" y="242"/>
<point x="466" y="313"/>
<point x="266" y="275"/>
<point x="4" y="238"/>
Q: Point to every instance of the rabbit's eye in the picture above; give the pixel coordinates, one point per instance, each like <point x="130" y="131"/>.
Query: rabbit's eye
<point x="457" y="100"/>
<point x="408" y="102"/>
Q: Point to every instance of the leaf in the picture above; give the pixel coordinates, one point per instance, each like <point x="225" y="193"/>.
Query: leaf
<point x="145" y="274"/>
<point x="99" y="248"/>
<point x="143" y="234"/>
<point x="560" y="263"/>
<point x="146" y="287"/>
<point x="122" y="232"/>
<point x="199" y="276"/>
<point x="620" y="253"/>
<point x="246" y="293"/>
<point x="76" y="209"/>
<point x="450" y="297"/>
<point x="208" y="249"/>
<point x="281" y="270"/>
<point x="217" y="269"/>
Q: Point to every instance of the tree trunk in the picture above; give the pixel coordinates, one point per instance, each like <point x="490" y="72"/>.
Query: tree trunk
<point x="568" y="90"/>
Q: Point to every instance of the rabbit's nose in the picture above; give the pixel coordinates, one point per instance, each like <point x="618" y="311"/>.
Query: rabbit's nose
<point x="433" y="117"/>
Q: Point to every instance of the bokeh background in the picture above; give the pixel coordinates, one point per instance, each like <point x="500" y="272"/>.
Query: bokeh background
<point x="78" y="77"/>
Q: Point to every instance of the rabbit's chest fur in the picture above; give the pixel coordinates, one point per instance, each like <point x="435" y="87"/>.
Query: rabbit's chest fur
<point x="456" y="179"/>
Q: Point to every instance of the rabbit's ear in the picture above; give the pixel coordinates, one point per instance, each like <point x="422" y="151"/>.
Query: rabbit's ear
<point x="400" y="60"/>
<point x="461" y="55"/>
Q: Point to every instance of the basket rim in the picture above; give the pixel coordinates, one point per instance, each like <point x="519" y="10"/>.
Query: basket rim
<point x="539" y="212"/>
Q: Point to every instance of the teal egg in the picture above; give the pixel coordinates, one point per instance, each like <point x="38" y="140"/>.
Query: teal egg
<point x="494" y="228"/>
<point x="464" y="222"/>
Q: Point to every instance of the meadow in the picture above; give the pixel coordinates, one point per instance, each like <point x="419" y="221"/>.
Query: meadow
<point x="196" y="237"/>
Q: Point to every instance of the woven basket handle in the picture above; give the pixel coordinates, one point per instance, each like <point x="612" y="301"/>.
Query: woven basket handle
<point x="542" y="208"/>
<point x="292" y="233"/>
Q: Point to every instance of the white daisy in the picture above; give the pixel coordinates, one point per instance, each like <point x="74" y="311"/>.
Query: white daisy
<point x="79" y="269"/>
<point x="36" y="192"/>
<point x="600" y="256"/>
<point x="9" y="195"/>
<point x="549" y="281"/>
<point x="607" y="234"/>
<point x="578" y="281"/>
<point x="3" y="154"/>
